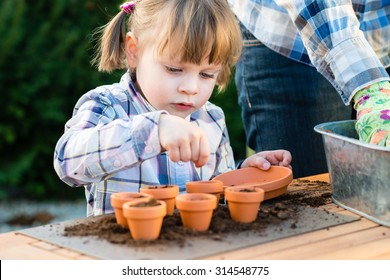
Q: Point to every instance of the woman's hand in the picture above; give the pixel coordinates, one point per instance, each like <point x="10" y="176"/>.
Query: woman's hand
<point x="373" y="114"/>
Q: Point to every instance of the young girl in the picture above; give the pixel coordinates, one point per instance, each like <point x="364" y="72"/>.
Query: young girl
<point x="156" y="125"/>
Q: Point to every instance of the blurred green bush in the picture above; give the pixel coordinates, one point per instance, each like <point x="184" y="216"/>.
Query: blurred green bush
<point x="45" y="53"/>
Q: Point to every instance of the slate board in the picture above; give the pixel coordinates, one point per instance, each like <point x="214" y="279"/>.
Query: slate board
<point x="309" y="219"/>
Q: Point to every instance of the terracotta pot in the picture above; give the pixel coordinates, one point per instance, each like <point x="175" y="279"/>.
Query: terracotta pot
<point x="244" y="203"/>
<point x="214" y="187"/>
<point x="118" y="199"/>
<point x="273" y="181"/>
<point x="196" y="209"/>
<point x="145" y="220"/>
<point x="167" y="193"/>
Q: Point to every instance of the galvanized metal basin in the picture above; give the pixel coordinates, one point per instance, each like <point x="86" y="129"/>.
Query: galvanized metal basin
<point x="359" y="172"/>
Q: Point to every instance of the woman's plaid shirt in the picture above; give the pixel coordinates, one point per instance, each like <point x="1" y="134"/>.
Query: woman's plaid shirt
<point x="347" y="41"/>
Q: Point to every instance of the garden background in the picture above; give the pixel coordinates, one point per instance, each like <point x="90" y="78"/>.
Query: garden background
<point x="45" y="53"/>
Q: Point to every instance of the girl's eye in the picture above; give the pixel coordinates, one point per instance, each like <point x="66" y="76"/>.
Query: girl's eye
<point x="172" y="70"/>
<point x="207" y="76"/>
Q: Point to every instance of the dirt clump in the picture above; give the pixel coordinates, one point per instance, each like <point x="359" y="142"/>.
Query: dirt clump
<point x="39" y="218"/>
<point x="274" y="211"/>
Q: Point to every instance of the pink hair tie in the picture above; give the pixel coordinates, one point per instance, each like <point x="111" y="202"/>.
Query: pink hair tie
<point x="128" y="7"/>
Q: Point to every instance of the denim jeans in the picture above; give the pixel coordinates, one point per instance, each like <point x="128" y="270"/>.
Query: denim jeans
<point x="281" y="101"/>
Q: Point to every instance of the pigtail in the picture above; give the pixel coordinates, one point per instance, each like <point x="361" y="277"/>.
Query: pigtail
<point x="110" y="53"/>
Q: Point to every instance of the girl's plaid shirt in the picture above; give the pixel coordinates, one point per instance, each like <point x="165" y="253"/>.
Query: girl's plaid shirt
<point x="111" y="144"/>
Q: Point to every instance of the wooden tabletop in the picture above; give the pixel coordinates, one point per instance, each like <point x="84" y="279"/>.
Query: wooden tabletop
<point x="361" y="239"/>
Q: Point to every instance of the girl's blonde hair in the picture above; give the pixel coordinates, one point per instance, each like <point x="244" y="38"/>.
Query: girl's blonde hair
<point x="191" y="29"/>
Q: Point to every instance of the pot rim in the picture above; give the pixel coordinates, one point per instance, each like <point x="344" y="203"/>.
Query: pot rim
<point x="211" y="186"/>
<point x="148" y="212"/>
<point x="118" y="199"/>
<point x="233" y="194"/>
<point x="196" y="202"/>
<point x="160" y="192"/>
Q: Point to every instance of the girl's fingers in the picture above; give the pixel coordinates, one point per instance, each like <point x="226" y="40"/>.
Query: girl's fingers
<point x="195" y="150"/>
<point x="203" y="153"/>
<point x="185" y="152"/>
<point x="174" y="153"/>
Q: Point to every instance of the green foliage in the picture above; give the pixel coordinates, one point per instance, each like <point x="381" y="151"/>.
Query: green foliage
<point x="45" y="53"/>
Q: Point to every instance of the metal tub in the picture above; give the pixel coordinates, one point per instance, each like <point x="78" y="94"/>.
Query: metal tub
<point x="359" y="172"/>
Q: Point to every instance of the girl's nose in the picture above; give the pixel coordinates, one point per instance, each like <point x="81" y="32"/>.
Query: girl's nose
<point x="189" y="85"/>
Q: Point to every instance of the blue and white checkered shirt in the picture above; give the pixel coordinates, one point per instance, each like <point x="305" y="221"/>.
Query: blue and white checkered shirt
<point x="347" y="41"/>
<point x="111" y="144"/>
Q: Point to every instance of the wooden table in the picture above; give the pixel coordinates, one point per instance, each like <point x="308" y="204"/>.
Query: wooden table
<point x="361" y="239"/>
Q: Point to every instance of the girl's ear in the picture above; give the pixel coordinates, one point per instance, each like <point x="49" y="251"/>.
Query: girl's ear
<point x="131" y="50"/>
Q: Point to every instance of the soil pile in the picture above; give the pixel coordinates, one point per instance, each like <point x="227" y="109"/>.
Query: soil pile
<point x="274" y="211"/>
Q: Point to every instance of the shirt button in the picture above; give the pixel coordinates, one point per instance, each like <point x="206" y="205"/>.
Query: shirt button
<point x="180" y="163"/>
<point x="117" y="163"/>
<point x="148" y="149"/>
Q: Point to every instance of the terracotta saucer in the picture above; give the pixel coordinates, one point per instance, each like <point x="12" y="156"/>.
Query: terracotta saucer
<point x="274" y="181"/>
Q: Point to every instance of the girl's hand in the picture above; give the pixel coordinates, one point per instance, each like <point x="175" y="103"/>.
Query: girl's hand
<point x="264" y="160"/>
<point x="183" y="140"/>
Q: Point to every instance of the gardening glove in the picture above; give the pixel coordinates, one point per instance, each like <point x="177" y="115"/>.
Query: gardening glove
<point x="372" y="104"/>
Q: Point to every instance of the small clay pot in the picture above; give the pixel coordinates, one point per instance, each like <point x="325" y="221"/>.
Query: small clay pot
<point x="144" y="217"/>
<point x="244" y="203"/>
<point x="196" y="209"/>
<point x="118" y="199"/>
<point x="273" y="181"/>
<point x="167" y="193"/>
<point x="214" y="187"/>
